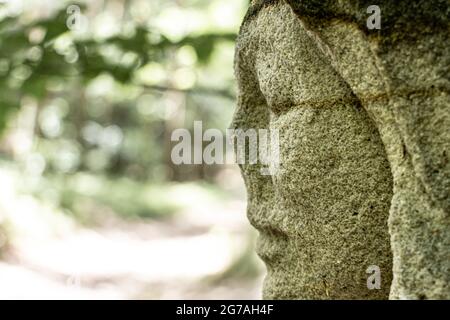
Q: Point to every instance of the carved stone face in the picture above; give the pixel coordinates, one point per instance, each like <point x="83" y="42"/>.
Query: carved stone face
<point x="322" y="216"/>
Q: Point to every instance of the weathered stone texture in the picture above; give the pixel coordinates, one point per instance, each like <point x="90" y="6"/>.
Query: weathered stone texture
<point x="363" y="118"/>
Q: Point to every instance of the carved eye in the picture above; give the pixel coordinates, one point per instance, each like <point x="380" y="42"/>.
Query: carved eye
<point x="280" y="107"/>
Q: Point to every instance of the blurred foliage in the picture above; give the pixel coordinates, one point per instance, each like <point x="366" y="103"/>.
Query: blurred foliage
<point x="86" y="117"/>
<point x="91" y="198"/>
<point x="27" y="64"/>
<point x="4" y="238"/>
<point x="105" y="104"/>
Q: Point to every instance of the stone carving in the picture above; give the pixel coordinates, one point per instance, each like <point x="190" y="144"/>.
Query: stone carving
<point x="363" y="117"/>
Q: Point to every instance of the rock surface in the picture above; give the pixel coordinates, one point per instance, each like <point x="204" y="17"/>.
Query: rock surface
<point x="363" y="117"/>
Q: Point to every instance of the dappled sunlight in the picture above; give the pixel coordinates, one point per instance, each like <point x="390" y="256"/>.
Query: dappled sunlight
<point x="53" y="257"/>
<point x="90" y="255"/>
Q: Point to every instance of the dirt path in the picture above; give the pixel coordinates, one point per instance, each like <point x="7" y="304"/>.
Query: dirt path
<point x="179" y="258"/>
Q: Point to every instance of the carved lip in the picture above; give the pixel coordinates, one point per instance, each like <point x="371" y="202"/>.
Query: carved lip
<point x="271" y="245"/>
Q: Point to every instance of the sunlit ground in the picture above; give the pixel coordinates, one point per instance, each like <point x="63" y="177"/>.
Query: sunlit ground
<point x="203" y="251"/>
